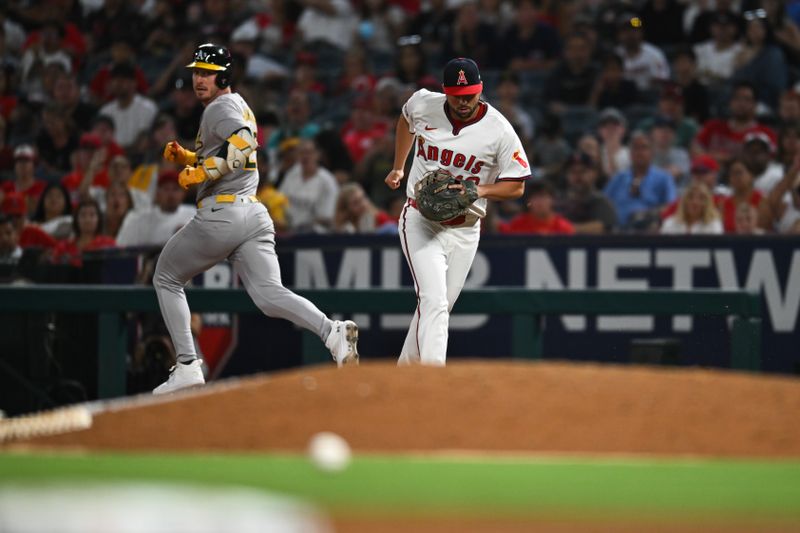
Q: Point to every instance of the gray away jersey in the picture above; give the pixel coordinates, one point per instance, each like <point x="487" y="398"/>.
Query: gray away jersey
<point x="221" y="118"/>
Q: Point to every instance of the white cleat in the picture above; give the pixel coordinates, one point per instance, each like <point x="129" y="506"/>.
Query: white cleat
<point x="182" y="376"/>
<point x="342" y="342"/>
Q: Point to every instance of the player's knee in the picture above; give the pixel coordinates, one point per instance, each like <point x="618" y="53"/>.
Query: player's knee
<point x="163" y="280"/>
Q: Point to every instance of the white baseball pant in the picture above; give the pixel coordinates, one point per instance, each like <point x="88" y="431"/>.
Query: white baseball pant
<point x="439" y="257"/>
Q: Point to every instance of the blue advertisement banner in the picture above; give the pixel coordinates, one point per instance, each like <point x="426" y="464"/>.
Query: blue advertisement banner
<point x="766" y="265"/>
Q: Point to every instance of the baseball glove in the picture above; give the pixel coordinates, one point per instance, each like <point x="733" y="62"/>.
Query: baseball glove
<point x="438" y="199"/>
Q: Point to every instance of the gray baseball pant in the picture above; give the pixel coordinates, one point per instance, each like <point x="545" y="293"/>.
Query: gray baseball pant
<point x="244" y="234"/>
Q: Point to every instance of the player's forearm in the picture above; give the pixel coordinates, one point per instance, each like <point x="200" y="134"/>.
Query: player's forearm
<point x="402" y="143"/>
<point x="504" y="190"/>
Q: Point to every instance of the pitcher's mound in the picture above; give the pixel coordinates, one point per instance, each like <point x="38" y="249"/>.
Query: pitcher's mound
<point x="477" y="406"/>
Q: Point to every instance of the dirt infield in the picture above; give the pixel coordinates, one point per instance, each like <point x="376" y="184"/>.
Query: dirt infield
<point x="490" y="406"/>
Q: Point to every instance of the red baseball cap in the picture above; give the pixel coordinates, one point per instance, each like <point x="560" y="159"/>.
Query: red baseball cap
<point x="461" y="76"/>
<point x="14" y="204"/>
<point x="704" y="163"/>
<point x="167" y="176"/>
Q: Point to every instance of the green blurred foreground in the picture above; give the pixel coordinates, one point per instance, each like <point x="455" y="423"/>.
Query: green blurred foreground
<point x="466" y="486"/>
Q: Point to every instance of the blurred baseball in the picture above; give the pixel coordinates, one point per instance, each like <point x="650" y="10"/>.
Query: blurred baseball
<point x="329" y="452"/>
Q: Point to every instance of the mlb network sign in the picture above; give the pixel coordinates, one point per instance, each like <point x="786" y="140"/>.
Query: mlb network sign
<point x="766" y="265"/>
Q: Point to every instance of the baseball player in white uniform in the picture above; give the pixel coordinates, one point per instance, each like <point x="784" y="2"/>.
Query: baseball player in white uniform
<point x="230" y="224"/>
<point x="466" y="136"/>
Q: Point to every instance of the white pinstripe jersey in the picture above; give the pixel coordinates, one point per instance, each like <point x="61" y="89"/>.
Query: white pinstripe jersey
<point x="486" y="150"/>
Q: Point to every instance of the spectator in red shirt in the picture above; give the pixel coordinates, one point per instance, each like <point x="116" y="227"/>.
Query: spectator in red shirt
<point x="741" y="181"/>
<point x="362" y="131"/>
<point x="540" y="217"/>
<point x="30" y="235"/>
<point x="25" y="181"/>
<point x="722" y="138"/>
<point x="87" y="224"/>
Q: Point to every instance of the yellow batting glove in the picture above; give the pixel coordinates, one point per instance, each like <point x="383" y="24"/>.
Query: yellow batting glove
<point x="176" y="153"/>
<point x="191" y="175"/>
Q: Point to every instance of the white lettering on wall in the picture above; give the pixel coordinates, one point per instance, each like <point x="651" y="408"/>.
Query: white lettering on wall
<point x="309" y="270"/>
<point x="609" y="264"/>
<point x="763" y="276"/>
<point x="683" y="264"/>
<point x="540" y="273"/>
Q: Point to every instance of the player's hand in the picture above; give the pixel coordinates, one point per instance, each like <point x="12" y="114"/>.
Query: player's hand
<point x="190" y="176"/>
<point x="394" y="178"/>
<point x="176" y="153"/>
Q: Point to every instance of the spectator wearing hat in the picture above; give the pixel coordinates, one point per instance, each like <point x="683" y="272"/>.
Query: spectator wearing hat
<point x="582" y="204"/>
<point x="155" y="226"/>
<point x="639" y="193"/>
<point x="705" y="170"/>
<point x="132" y="113"/>
<point x="758" y="153"/>
<point x="716" y="56"/>
<point x="25" y="181"/>
<point x="760" y="61"/>
<point x="87" y="236"/>
<point x="694" y="95"/>
<point x="10" y="250"/>
<point x="644" y="64"/>
<point x="722" y="138"/>
<point x="674" y="159"/>
<point x="696" y="214"/>
<point x="571" y="82"/>
<point x="529" y="44"/>
<point x="30" y="235"/>
<point x="539" y="218"/>
<point x="56" y="141"/>
<point x="670" y="107"/>
<point x="611" y="88"/>
<point x="614" y="155"/>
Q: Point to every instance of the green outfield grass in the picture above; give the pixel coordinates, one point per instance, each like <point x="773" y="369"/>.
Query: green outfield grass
<point x="480" y="486"/>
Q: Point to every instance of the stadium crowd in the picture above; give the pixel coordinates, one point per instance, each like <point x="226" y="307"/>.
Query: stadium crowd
<point x="679" y="117"/>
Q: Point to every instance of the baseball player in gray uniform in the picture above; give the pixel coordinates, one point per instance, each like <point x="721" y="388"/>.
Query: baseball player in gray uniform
<point x="230" y="224"/>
